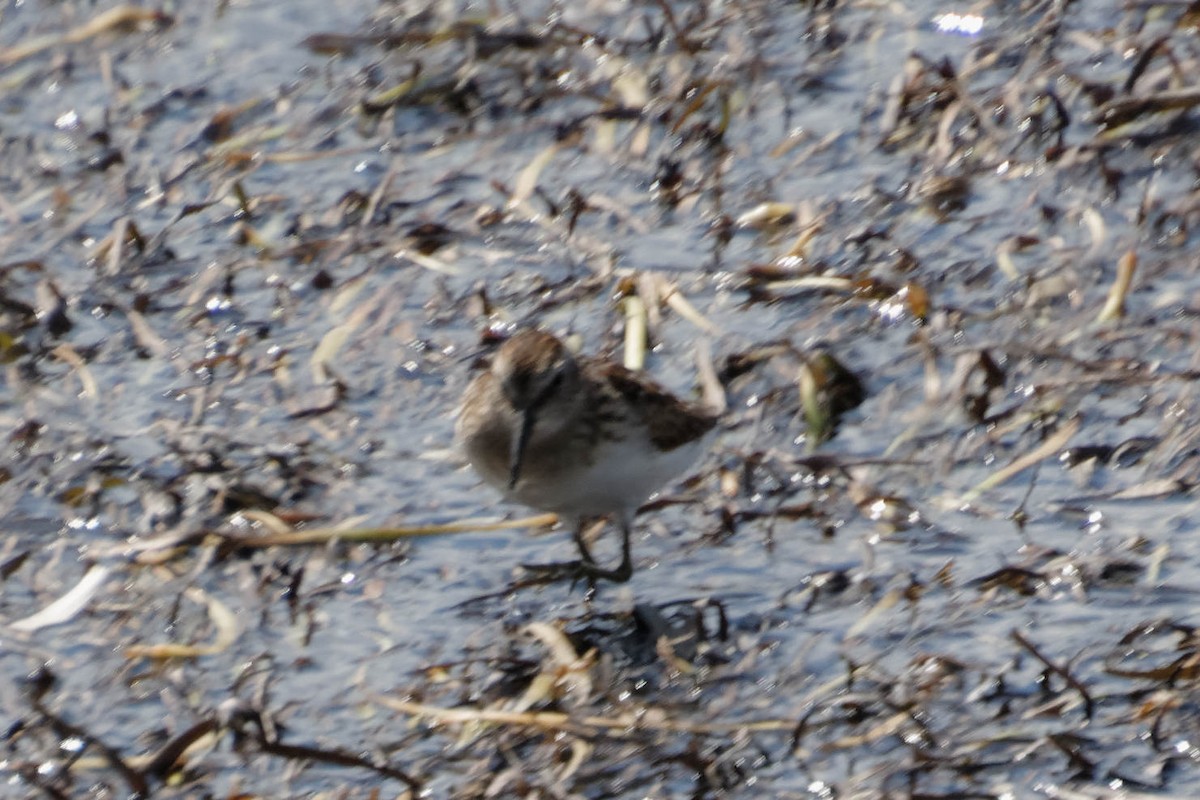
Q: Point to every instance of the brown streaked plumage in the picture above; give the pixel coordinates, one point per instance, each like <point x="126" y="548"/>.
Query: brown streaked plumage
<point x="578" y="436"/>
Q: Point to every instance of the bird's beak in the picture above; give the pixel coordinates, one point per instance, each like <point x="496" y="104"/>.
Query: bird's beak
<point x="518" y="450"/>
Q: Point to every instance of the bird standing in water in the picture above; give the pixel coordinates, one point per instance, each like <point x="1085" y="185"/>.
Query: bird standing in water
<point x="581" y="437"/>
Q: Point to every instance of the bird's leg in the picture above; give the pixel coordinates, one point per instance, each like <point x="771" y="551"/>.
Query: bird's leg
<point x="624" y="570"/>
<point x="562" y="570"/>
<point x="585" y="554"/>
<point x="586" y="567"/>
<point x="626" y="567"/>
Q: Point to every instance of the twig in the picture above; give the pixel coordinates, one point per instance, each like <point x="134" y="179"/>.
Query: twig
<point x="1071" y="680"/>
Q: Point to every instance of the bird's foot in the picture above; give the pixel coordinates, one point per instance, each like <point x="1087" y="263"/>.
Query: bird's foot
<point x="576" y="571"/>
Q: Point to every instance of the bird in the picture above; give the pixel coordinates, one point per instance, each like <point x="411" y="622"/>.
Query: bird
<point x="579" y="436"/>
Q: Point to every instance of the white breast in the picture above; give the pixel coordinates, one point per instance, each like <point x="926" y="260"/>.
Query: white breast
<point x="620" y="478"/>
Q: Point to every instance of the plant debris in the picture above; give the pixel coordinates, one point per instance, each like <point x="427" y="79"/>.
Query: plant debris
<point x="934" y="263"/>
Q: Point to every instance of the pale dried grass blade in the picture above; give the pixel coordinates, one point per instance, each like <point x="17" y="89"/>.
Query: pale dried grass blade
<point x="1094" y="222"/>
<point x="801" y="245"/>
<point x="565" y="672"/>
<point x="831" y="282"/>
<point x="323" y="535"/>
<point x="653" y="289"/>
<point x="326" y="351"/>
<point x="155" y="550"/>
<point x="639" y="143"/>
<point x="885" y="728"/>
<point x="527" y="180"/>
<point x="347" y="294"/>
<point x="66" y="607"/>
<point x="604" y="136"/>
<point x="767" y="216"/>
<point x="1114" y="308"/>
<point x="119" y="17"/>
<point x="223" y="620"/>
<point x="1151" y="489"/>
<point x="146" y="336"/>
<point x="1004" y="259"/>
<point x="623" y="726"/>
<point x="430" y="263"/>
<point x="887" y="602"/>
<point x="711" y="389"/>
<point x="545" y="720"/>
<point x="376" y="198"/>
<point x="304" y="156"/>
<point x="635" y="333"/>
<point x="631" y="84"/>
<point x="1047" y="449"/>
<point x="69" y="355"/>
<point x="335" y="339"/>
<point x="268" y="520"/>
<point x="581" y="751"/>
<point x="117" y="252"/>
<point x="248" y="140"/>
<point x="562" y="652"/>
<point x="1155" y="562"/>
<point x="680" y="305"/>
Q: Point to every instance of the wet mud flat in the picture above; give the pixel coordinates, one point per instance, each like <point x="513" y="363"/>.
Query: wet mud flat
<point x="940" y="262"/>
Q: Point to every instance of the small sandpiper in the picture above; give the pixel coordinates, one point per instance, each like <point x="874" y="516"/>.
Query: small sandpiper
<point x="581" y="437"/>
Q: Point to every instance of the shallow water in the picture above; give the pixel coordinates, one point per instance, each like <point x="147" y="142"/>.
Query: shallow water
<point x="194" y="383"/>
